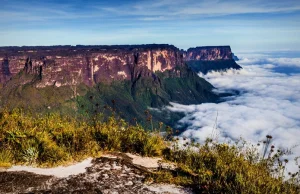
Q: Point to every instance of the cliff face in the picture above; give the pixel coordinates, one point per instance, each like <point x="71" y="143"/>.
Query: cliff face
<point x="84" y="79"/>
<point x="70" y="65"/>
<point x="208" y="53"/>
<point x="211" y="58"/>
<point x="67" y="65"/>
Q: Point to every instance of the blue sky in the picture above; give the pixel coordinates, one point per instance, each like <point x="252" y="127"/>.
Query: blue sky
<point x="256" y="25"/>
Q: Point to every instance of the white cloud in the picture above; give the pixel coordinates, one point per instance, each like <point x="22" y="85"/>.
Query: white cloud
<point x="273" y="61"/>
<point x="269" y="104"/>
<point x="202" y="8"/>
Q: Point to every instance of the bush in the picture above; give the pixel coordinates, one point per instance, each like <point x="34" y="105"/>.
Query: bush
<point x="213" y="167"/>
<point x="117" y="135"/>
<point x="5" y="158"/>
<point x="52" y="139"/>
<point x="223" y="168"/>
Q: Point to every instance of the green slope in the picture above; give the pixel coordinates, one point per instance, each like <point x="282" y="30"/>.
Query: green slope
<point x="124" y="98"/>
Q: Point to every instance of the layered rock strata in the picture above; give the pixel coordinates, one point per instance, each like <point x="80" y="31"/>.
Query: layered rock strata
<point x="69" y="65"/>
<point x="208" y="53"/>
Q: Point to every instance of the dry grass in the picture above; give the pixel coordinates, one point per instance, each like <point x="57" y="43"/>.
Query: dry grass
<point x="213" y="167"/>
<point x="52" y="140"/>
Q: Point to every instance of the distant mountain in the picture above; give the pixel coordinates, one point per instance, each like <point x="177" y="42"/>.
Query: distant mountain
<point x="212" y="58"/>
<point x="126" y="78"/>
<point x="234" y="57"/>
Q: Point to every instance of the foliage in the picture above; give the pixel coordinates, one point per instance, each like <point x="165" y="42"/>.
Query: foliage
<point x="213" y="167"/>
<point x="131" y="97"/>
<point x="53" y="139"/>
<point x="225" y="168"/>
<point x="5" y="158"/>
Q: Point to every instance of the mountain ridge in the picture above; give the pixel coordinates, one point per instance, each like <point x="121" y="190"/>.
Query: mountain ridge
<point x="86" y="78"/>
<point x="93" y="64"/>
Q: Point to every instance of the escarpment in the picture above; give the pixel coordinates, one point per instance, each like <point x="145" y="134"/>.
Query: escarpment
<point x="209" y="53"/>
<point x="67" y="65"/>
<point x="211" y="58"/>
<point x="128" y="78"/>
<point x="64" y="65"/>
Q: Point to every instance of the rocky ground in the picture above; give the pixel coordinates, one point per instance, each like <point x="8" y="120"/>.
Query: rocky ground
<point x="107" y="175"/>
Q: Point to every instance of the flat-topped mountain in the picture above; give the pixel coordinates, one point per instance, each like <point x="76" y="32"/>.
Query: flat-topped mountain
<point x="211" y="58"/>
<point x="58" y="65"/>
<point x="208" y="53"/>
<point x="134" y="76"/>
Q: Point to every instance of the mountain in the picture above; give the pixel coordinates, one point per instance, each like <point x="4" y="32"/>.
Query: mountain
<point x="127" y="79"/>
<point x="210" y="58"/>
<point x="234" y="57"/>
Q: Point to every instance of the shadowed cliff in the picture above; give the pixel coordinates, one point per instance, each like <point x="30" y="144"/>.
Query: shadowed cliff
<point x="211" y="58"/>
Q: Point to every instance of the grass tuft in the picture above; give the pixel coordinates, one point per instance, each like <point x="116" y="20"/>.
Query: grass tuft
<point x="212" y="167"/>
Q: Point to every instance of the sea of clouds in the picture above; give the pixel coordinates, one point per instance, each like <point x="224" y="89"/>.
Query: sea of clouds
<point x="268" y="104"/>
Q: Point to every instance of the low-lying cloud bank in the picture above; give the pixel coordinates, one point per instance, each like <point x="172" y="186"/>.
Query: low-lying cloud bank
<point x="291" y="62"/>
<point x="269" y="103"/>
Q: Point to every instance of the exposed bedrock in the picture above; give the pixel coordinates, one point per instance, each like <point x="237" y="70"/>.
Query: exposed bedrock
<point x="69" y="65"/>
<point x="208" y="53"/>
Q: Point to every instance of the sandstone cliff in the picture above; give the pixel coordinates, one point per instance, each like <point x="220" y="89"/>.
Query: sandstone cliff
<point x="84" y="79"/>
<point x="210" y="58"/>
<point x="208" y="53"/>
<point x="67" y="65"/>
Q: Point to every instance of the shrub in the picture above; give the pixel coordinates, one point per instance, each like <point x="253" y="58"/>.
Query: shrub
<point x="5" y="158"/>
<point x="117" y="135"/>
<point x="223" y="168"/>
<point x="52" y="139"/>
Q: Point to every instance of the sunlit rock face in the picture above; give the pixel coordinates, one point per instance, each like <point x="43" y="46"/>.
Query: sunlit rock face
<point x="69" y="65"/>
<point x="64" y="65"/>
<point x="208" y="53"/>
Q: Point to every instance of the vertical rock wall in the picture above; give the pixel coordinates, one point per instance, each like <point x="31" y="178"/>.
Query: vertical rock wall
<point x="69" y="65"/>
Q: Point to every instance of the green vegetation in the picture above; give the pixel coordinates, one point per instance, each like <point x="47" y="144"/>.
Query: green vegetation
<point x="225" y="168"/>
<point x="53" y="139"/>
<point x="130" y="100"/>
<point x="130" y="97"/>
<point x="22" y="91"/>
<point x="209" y="168"/>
